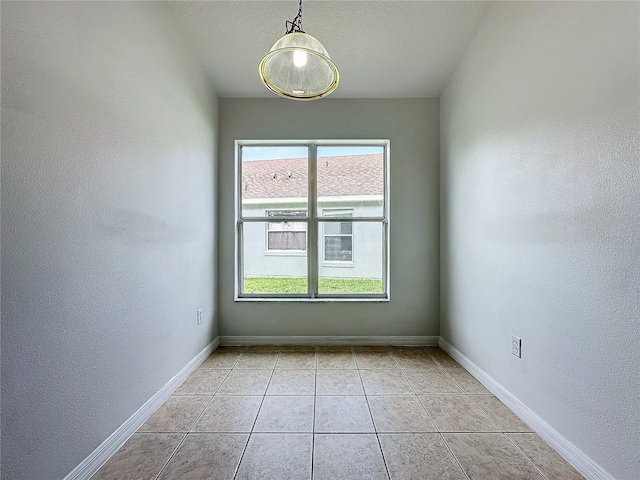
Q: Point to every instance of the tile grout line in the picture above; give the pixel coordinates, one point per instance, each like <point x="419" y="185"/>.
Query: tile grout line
<point x="468" y="395"/>
<point x="313" y="423"/>
<point x="455" y="459"/>
<point x="164" y="467"/>
<point x="419" y="401"/>
<point x="464" y="392"/>
<point x="375" y="428"/>
<point x="525" y="455"/>
<point x="437" y="432"/>
<point x="404" y="373"/>
<point x="499" y="430"/>
<point x="453" y="455"/>
<point x="244" y="450"/>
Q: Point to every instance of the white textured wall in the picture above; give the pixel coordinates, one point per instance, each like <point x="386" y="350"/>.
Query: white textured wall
<point x="412" y="126"/>
<point x="108" y="170"/>
<point x="541" y="216"/>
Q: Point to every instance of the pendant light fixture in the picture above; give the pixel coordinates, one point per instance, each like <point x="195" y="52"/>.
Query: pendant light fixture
<point x="298" y="66"/>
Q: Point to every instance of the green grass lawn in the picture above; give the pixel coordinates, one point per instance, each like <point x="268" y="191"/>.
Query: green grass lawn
<point x="299" y="285"/>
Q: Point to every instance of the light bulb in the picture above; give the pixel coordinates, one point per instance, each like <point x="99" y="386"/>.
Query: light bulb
<point x="299" y="58"/>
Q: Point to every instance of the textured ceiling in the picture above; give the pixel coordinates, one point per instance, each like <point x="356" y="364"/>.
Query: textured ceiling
<point x="383" y="49"/>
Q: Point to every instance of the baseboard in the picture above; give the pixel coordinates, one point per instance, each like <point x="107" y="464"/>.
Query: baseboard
<point x="327" y="340"/>
<point x="90" y="465"/>
<point x="572" y="454"/>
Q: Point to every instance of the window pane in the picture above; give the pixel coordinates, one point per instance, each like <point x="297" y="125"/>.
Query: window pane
<point x="284" y="235"/>
<point x="338" y="249"/>
<point x="351" y="178"/>
<point x="272" y="175"/>
<point x="337" y="228"/>
<point x="287" y="226"/>
<point x="352" y="263"/>
<point x="265" y="271"/>
<point x="287" y="241"/>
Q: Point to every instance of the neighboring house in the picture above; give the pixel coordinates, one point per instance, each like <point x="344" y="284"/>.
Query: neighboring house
<point x="348" y="186"/>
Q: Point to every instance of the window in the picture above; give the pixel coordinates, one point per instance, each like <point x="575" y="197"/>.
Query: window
<point x="338" y="237"/>
<point x="323" y="206"/>
<point x="287" y="236"/>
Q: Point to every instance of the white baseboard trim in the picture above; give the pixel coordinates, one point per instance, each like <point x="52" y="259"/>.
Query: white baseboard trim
<point x="327" y="340"/>
<point x="90" y="465"/>
<point x="572" y="454"/>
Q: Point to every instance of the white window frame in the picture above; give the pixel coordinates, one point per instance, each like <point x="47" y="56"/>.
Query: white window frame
<point x="331" y="212"/>
<point x="313" y="221"/>
<point x="290" y="252"/>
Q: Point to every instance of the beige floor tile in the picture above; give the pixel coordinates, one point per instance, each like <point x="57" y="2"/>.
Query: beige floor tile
<point x="421" y="456"/>
<point x="223" y="357"/>
<point x="335" y="348"/>
<point x="550" y="463"/>
<point x="338" y="382"/>
<point x="385" y="382"/>
<point x="499" y="414"/>
<point x="202" y="382"/>
<point x="490" y="456"/>
<point x="277" y="456"/>
<point x="246" y="382"/>
<point x="443" y="358"/>
<point x="264" y="348"/>
<point x="287" y="414"/>
<point x="402" y="413"/>
<point x="141" y="458"/>
<point x="414" y="359"/>
<point x="372" y="348"/>
<point x="340" y="415"/>
<point x="292" y="382"/>
<point x="343" y="414"/>
<point x="176" y="415"/>
<point x="467" y="382"/>
<point x="375" y="360"/>
<point x="257" y="359"/>
<point x="235" y="414"/>
<point x="348" y="457"/>
<point x="431" y="381"/>
<point x="456" y="413"/>
<point x="229" y="349"/>
<point x="298" y="348"/>
<point x="296" y="360"/>
<point x="206" y="456"/>
<point x="342" y="360"/>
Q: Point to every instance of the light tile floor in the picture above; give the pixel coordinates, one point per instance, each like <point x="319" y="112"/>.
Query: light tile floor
<point x="334" y="413"/>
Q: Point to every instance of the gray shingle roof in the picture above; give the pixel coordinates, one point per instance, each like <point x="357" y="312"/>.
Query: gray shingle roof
<point x="337" y="176"/>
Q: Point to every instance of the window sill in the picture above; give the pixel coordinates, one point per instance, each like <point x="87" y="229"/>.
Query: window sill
<point x="338" y="264"/>
<point x="312" y="300"/>
<point x="285" y="253"/>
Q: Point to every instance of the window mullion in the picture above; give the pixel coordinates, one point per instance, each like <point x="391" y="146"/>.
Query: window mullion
<point x="239" y="272"/>
<point x="312" y="258"/>
<point x="240" y="258"/>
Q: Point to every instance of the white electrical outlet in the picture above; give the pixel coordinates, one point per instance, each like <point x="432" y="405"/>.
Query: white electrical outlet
<point x="516" y="345"/>
<point x="198" y="316"/>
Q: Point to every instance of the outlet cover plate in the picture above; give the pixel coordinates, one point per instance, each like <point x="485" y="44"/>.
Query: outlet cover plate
<point x="198" y="316"/>
<point x="516" y="346"/>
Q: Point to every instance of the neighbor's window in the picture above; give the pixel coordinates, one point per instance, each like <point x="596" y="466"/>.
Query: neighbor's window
<point x="338" y="237"/>
<point x="324" y="207"/>
<point x="287" y="236"/>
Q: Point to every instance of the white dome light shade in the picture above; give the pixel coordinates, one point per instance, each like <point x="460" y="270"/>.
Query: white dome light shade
<point x="299" y="67"/>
